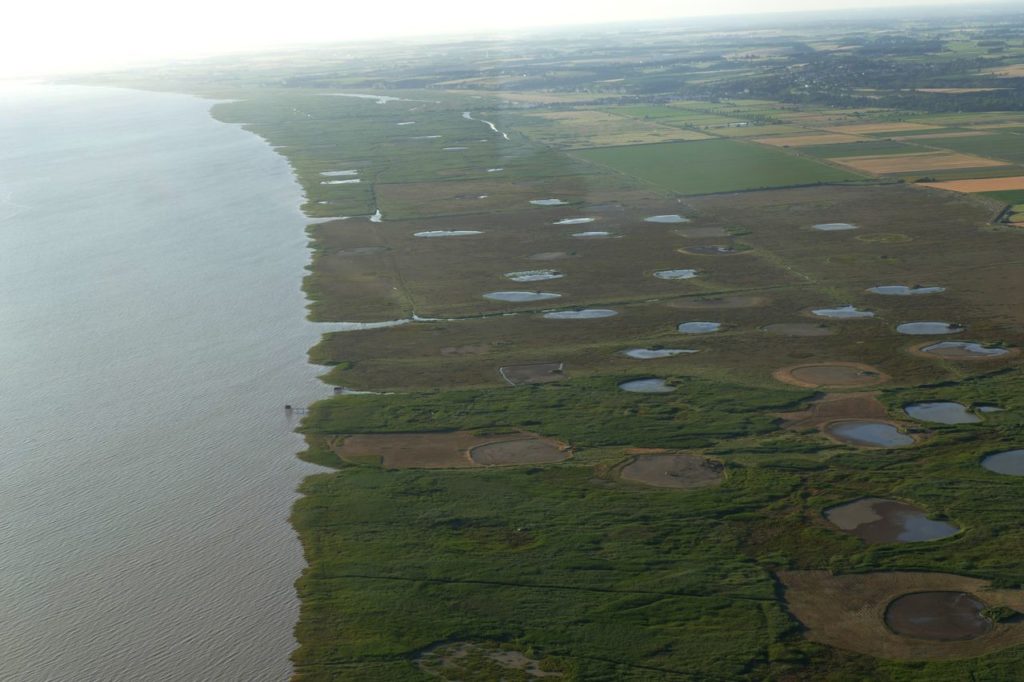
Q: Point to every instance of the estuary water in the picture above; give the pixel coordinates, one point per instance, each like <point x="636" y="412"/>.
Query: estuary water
<point x="151" y="330"/>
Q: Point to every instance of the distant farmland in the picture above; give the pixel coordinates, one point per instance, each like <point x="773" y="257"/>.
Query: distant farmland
<point x="713" y="166"/>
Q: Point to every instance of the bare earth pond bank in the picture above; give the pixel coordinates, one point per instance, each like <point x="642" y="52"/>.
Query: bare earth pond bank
<point x="673" y="471"/>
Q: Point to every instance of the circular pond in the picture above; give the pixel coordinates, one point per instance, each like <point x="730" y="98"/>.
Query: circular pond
<point x="1010" y="463"/>
<point x="709" y="250"/>
<point x="584" y="314"/>
<point x="900" y="290"/>
<point x="941" y="413"/>
<point x="673" y="471"/>
<point x="833" y="374"/>
<point x="573" y="221"/>
<point x="646" y="386"/>
<point x="877" y="520"/>
<point x="963" y="350"/>
<point x="533" y="275"/>
<point x="844" y="312"/>
<point x="668" y="218"/>
<point x="447" y="233"/>
<point x="595" y="234"/>
<point x="929" y="328"/>
<point x="548" y="202"/>
<point x="699" y="327"/>
<point x="520" y="296"/>
<point x="834" y="227"/>
<point x="654" y="353"/>
<point x="870" y="434"/>
<point x="939" y="616"/>
<point x="676" y="274"/>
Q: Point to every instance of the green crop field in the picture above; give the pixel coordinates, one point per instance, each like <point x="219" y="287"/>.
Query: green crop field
<point x="712" y="166"/>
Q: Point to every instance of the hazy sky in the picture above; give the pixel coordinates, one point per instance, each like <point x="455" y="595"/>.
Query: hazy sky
<point x="38" y="37"/>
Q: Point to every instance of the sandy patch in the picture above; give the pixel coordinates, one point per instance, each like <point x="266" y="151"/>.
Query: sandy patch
<point x="462" y="660"/>
<point x="978" y="184"/>
<point x="848" y="612"/>
<point x="870" y="128"/>
<point x="925" y="161"/>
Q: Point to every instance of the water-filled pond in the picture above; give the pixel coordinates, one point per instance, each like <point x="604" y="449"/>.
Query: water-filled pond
<point x="668" y="218"/>
<point x="533" y="275"/>
<point x="573" y="221"/>
<point x="596" y="234"/>
<point x="699" y="327"/>
<point x="521" y="296"/>
<point x="584" y="314"/>
<point x="901" y="290"/>
<point x="676" y="274"/>
<point x="869" y="434"/>
<point x="834" y="227"/>
<point x="877" y="520"/>
<point x="447" y="233"/>
<point x="942" y="413"/>
<point x="646" y="386"/>
<point x="1010" y="463"/>
<point x="954" y="350"/>
<point x="654" y="353"/>
<point x="548" y="202"/>
<point x="929" y="328"/>
<point x="844" y="312"/>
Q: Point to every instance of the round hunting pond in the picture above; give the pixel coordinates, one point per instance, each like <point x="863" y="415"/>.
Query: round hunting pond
<point x="938" y="616"/>
<point x="877" y="520"/>
<point x="834" y="374"/>
<point x="668" y="218"/>
<point x="941" y="413"/>
<point x="573" y="221"/>
<point x="584" y="314"/>
<point x="548" y="202"/>
<point x="593" y="234"/>
<point x="533" y="275"/>
<point x="712" y="250"/>
<point x="1009" y="463"/>
<point x="929" y="328"/>
<point x="673" y="471"/>
<point x="521" y="296"/>
<point x="651" y="385"/>
<point x="655" y="353"/>
<point x="870" y="434"/>
<point x="521" y="451"/>
<point x="834" y="227"/>
<point x="447" y="233"/>
<point x="844" y="312"/>
<point x="963" y="350"/>
<point x="900" y="290"/>
<point x="699" y="327"/>
<point x="676" y="274"/>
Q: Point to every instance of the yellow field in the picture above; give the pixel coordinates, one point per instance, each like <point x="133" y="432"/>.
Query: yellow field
<point x="938" y="136"/>
<point x="869" y="128"/>
<point x="809" y="140"/>
<point x="1011" y="71"/>
<point x="925" y="161"/>
<point x="979" y="184"/>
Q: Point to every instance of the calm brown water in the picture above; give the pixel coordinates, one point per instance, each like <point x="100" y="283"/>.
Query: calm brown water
<point x="152" y="328"/>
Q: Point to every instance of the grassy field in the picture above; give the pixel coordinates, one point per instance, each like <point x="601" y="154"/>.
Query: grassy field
<point x="714" y="166"/>
<point x="567" y="565"/>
